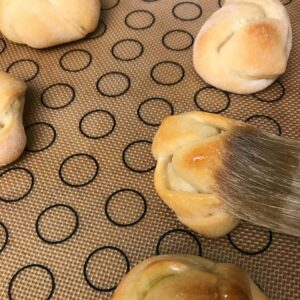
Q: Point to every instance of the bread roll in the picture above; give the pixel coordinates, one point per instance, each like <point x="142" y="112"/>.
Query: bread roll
<point x="244" y="46"/>
<point x="186" y="277"/>
<point x="42" y="24"/>
<point x="183" y="179"/>
<point x="12" y="133"/>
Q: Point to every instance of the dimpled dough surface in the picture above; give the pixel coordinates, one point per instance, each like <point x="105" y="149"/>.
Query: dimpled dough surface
<point x="78" y="209"/>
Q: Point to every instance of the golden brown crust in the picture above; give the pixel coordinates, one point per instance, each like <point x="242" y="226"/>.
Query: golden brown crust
<point x="187" y="129"/>
<point x="186" y="277"/>
<point x="187" y="148"/>
<point x="12" y="133"/>
<point x="202" y="212"/>
<point x="42" y="24"/>
<point x="244" y="46"/>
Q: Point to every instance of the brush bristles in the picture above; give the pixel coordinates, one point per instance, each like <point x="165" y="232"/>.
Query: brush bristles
<point x="260" y="179"/>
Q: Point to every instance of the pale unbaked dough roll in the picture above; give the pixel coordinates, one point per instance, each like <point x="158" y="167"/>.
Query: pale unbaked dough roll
<point x="186" y="277"/>
<point x="12" y="133"/>
<point x="244" y="46"/>
<point x="42" y="24"/>
<point x="183" y="179"/>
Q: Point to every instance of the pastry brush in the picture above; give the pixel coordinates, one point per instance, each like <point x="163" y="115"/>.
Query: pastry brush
<point x="259" y="178"/>
<point x="210" y="167"/>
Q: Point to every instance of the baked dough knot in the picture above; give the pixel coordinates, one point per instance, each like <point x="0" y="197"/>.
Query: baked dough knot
<point x="46" y="23"/>
<point x="187" y="148"/>
<point x="12" y="133"/>
<point x="244" y="46"/>
<point x="186" y="277"/>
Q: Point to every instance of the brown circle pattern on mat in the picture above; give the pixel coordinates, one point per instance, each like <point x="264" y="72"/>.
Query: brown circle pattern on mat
<point x="58" y="95"/>
<point x="32" y="282"/>
<point x="113" y="84"/>
<point x="87" y="165"/>
<point x="273" y="93"/>
<point x="127" y="49"/>
<point x="178" y="241"/>
<point x="75" y="60"/>
<point x="57" y="224"/>
<point x="125" y="207"/>
<point x="286" y="2"/>
<point x="105" y="267"/>
<point x="152" y="111"/>
<point x="139" y="19"/>
<point x="250" y="239"/>
<point x="3" y="237"/>
<point x="109" y="4"/>
<point x="167" y="73"/>
<point x="24" y="69"/>
<point x="137" y="157"/>
<point x="212" y="100"/>
<point x="97" y="124"/>
<point x="187" y="11"/>
<point x="86" y="191"/>
<point x="98" y="32"/>
<point x="20" y="179"/>
<point x="266" y="123"/>
<point x="2" y="45"/>
<point x="177" y="40"/>
<point x="40" y="136"/>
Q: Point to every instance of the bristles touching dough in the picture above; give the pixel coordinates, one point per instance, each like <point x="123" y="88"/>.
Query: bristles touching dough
<point x="212" y="171"/>
<point x="260" y="179"/>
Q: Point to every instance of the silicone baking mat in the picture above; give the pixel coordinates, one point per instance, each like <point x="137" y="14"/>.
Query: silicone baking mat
<point x="78" y="209"/>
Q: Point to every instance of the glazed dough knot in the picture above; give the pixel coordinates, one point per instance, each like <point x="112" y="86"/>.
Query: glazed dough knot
<point x="187" y="149"/>
<point x="186" y="277"/>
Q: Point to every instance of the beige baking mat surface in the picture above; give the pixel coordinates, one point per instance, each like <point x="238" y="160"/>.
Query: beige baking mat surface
<point x="78" y="210"/>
